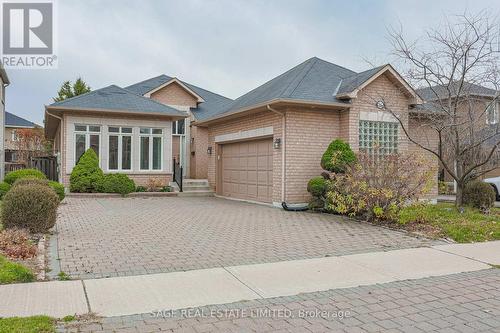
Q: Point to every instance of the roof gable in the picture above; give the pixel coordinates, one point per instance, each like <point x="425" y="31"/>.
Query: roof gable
<point x="181" y="84"/>
<point x="352" y="85"/>
<point x="212" y="103"/>
<point x="114" y="98"/>
<point x="11" y="120"/>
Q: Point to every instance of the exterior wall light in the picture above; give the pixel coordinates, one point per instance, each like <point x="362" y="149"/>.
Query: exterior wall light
<point x="209" y="150"/>
<point x="277" y="143"/>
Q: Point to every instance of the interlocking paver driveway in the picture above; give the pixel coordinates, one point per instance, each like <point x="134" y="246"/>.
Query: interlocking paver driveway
<point x="129" y="236"/>
<point x="465" y="302"/>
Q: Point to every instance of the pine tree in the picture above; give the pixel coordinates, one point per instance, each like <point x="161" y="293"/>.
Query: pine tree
<point x="68" y="90"/>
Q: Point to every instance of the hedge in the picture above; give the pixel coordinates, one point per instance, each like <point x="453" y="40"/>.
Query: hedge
<point x="86" y="176"/>
<point x="337" y="157"/>
<point x="33" y="207"/>
<point x="12" y="176"/>
<point x="117" y="183"/>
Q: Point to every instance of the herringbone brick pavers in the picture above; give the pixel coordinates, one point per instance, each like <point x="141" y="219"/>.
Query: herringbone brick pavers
<point x="103" y="237"/>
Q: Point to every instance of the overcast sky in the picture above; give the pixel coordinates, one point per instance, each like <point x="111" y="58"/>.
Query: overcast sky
<point x="228" y="47"/>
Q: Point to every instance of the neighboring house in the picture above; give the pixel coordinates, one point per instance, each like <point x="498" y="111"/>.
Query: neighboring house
<point x="264" y="146"/>
<point x="481" y="99"/>
<point x="13" y="124"/>
<point x="4" y="81"/>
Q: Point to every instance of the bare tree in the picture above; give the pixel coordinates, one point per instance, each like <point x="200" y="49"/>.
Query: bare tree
<point x="453" y="64"/>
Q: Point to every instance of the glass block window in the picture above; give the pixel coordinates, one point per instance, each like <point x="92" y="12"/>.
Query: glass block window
<point x="378" y="137"/>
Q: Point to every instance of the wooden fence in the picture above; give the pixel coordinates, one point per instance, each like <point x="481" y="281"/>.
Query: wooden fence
<point x="46" y="164"/>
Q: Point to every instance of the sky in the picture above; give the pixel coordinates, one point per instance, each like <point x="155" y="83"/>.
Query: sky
<point x="228" y="47"/>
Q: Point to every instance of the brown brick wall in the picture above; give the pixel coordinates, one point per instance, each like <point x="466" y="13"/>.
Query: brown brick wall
<point x="380" y="89"/>
<point x="199" y="161"/>
<point x="308" y="134"/>
<point x="254" y="121"/>
<point x="174" y="94"/>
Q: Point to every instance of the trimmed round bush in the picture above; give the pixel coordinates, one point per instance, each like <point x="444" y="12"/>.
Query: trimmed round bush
<point x="117" y="183"/>
<point x="4" y="188"/>
<point x="32" y="207"/>
<point x="58" y="188"/>
<point x="317" y="186"/>
<point x="337" y="157"/>
<point x="11" y="177"/>
<point x="28" y="181"/>
<point x="479" y="195"/>
<point x="86" y="176"/>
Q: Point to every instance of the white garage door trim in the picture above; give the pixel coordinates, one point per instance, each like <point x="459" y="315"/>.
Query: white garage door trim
<point x="244" y="135"/>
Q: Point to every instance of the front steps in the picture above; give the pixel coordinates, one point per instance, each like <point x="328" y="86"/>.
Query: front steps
<point x="193" y="188"/>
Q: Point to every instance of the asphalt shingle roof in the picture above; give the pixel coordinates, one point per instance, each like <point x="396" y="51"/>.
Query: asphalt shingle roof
<point x="11" y="120"/>
<point x="212" y="104"/>
<point x="351" y="83"/>
<point x="440" y="91"/>
<point x="312" y="80"/>
<point x="116" y="98"/>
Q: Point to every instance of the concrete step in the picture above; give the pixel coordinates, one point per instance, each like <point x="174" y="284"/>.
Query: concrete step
<point x="194" y="181"/>
<point x="196" y="188"/>
<point x="201" y="193"/>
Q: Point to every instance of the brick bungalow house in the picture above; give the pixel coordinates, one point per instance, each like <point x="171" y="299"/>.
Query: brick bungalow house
<point x="264" y="146"/>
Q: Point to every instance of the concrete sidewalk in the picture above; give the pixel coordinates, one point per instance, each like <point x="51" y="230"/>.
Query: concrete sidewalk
<point x="120" y="296"/>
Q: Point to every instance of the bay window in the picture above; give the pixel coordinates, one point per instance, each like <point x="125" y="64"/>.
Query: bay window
<point x="120" y="148"/>
<point x="86" y="136"/>
<point x="378" y="137"/>
<point x="151" y="148"/>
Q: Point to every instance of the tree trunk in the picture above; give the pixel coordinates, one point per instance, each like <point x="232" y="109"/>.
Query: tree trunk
<point x="459" y="201"/>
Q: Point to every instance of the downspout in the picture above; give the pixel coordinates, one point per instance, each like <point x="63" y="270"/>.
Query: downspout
<point x="283" y="150"/>
<point x="61" y="120"/>
<point x="61" y="137"/>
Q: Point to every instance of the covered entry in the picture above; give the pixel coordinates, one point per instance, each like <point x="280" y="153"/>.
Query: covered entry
<point x="247" y="170"/>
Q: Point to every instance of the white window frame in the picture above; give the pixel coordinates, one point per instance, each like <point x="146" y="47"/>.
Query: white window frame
<point x="495" y="108"/>
<point x="151" y="136"/>
<point x="15" y="137"/>
<point x="120" y="136"/>
<point x="176" y="125"/>
<point x="87" y="134"/>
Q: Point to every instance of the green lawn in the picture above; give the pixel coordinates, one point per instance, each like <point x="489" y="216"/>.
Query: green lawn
<point x="11" y="272"/>
<point x="35" y="324"/>
<point x="444" y="220"/>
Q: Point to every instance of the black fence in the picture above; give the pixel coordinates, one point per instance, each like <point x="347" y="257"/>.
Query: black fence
<point x="47" y="165"/>
<point x="178" y="174"/>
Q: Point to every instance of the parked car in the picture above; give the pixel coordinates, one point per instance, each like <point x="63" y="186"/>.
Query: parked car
<point x="495" y="182"/>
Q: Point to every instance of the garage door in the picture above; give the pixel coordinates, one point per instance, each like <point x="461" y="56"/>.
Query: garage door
<point x="247" y="170"/>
